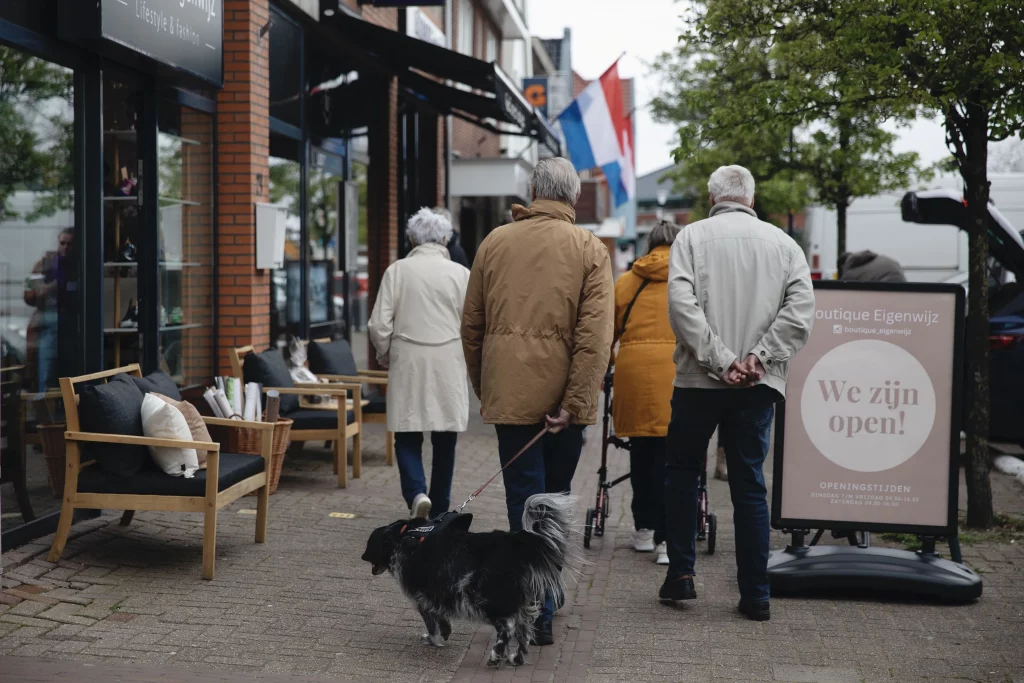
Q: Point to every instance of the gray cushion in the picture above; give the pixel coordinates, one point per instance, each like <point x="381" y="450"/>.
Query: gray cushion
<point x="113" y="408"/>
<point x="150" y="481"/>
<point x="159" y="382"/>
<point x="317" y="419"/>
<point x="269" y="370"/>
<point x="332" y="358"/>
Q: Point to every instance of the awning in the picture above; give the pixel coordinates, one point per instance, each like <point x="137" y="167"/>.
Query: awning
<point x="483" y="90"/>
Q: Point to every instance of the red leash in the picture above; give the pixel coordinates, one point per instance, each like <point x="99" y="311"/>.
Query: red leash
<point x="514" y="458"/>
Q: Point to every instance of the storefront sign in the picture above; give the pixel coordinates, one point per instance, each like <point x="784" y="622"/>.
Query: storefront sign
<point x="184" y="34"/>
<point x="536" y="91"/>
<point x="419" y="25"/>
<point x="869" y="436"/>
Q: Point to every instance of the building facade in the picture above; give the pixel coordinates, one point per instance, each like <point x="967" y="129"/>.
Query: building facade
<point x="180" y="179"/>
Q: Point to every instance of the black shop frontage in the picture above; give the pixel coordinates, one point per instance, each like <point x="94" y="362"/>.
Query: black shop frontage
<point x="107" y="213"/>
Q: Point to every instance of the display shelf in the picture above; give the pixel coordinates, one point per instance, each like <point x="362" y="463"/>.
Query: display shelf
<point x="163" y="328"/>
<point x="182" y="202"/>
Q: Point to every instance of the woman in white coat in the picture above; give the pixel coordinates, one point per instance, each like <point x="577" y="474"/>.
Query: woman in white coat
<point x="415" y="328"/>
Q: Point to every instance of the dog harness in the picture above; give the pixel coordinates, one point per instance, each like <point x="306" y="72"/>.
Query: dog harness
<point x="448" y="521"/>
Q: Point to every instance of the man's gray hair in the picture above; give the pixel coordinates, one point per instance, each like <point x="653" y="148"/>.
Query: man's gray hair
<point x="662" y="235"/>
<point x="732" y="184"/>
<point x="556" y="179"/>
<point x="429" y="226"/>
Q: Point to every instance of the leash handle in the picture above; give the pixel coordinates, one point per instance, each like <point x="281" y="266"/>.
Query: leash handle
<point x="525" y="448"/>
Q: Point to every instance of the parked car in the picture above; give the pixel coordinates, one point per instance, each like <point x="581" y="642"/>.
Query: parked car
<point x="1006" y="303"/>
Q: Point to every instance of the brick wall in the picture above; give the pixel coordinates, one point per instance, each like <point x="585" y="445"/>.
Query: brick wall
<point x="243" y="131"/>
<point x="382" y="185"/>
<point x="469" y="141"/>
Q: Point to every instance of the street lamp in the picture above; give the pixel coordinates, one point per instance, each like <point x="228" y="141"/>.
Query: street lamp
<point x="662" y="198"/>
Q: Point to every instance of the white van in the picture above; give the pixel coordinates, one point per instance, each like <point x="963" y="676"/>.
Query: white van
<point x="928" y="253"/>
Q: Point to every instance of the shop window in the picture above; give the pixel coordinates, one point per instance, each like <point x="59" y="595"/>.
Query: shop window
<point x="466" y="27"/>
<point x="40" y="324"/>
<point x="123" y="233"/>
<point x="324" y="230"/>
<point x="286" y="283"/>
<point x="185" y="243"/>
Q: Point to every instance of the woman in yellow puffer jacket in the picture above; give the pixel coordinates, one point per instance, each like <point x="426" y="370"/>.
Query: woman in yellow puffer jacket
<point x="644" y="371"/>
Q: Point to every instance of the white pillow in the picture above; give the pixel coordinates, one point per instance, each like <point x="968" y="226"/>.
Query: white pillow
<point x="161" y="420"/>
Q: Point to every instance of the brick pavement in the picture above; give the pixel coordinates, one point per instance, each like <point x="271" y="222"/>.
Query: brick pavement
<point x="130" y="602"/>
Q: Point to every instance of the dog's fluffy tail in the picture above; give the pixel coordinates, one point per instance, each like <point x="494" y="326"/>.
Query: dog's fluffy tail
<point x="549" y="515"/>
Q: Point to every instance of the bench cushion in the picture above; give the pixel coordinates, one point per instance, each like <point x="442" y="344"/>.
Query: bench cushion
<point x="150" y="481"/>
<point x="332" y="358"/>
<point x="113" y="408"/>
<point x="377" y="404"/>
<point x="269" y="370"/>
<point x="158" y="382"/>
<point x="317" y="419"/>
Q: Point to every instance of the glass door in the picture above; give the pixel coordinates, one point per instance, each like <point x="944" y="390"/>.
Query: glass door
<point x="185" y="243"/>
<point x="325" y="277"/>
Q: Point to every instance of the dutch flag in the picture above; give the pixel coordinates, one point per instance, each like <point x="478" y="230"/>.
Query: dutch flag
<point x="599" y="134"/>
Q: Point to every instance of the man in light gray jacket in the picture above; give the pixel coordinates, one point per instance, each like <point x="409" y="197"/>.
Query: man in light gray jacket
<point x="741" y="305"/>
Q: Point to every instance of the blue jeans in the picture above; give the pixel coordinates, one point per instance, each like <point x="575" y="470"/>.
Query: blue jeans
<point x="409" y="452"/>
<point x="547" y="467"/>
<point x="745" y="419"/>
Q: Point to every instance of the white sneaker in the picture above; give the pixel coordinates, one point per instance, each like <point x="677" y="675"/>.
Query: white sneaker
<point x="420" y="506"/>
<point x="643" y="540"/>
<point x="662" y="551"/>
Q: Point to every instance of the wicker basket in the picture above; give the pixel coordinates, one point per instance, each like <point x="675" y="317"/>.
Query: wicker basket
<point x="55" y="454"/>
<point x="250" y="441"/>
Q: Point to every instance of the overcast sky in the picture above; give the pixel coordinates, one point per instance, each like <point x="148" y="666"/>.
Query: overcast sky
<point x="604" y="29"/>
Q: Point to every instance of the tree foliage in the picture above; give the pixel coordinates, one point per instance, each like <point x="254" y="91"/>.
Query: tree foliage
<point x="36" y="134"/>
<point x="961" y="60"/>
<point x="724" y="90"/>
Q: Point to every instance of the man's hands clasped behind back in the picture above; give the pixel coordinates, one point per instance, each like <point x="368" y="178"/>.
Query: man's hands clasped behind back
<point x="746" y="373"/>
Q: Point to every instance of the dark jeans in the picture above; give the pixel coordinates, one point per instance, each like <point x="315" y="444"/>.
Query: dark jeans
<point x="745" y="419"/>
<point x="647" y="475"/>
<point x="409" y="451"/>
<point x="547" y="467"/>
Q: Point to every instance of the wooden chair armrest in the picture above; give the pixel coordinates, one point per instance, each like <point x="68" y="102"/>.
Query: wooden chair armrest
<point x="93" y="437"/>
<point x="248" y="424"/>
<point x="374" y="373"/>
<point x="364" y="379"/>
<point x="308" y="389"/>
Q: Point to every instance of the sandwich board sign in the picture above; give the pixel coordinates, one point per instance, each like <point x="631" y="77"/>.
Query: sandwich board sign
<point x="868" y="438"/>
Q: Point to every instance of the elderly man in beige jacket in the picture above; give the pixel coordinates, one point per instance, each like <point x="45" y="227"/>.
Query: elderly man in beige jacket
<point x="741" y="305"/>
<point x="537" y="331"/>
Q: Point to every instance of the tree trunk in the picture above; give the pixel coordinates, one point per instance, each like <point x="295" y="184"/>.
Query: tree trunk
<point x="841" y="207"/>
<point x="975" y="175"/>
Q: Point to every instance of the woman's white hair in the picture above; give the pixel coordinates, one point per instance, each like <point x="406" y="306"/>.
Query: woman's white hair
<point x="428" y="226"/>
<point x="556" y="179"/>
<point x="731" y="184"/>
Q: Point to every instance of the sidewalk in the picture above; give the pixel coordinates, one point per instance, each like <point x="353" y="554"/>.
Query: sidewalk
<point x="130" y="601"/>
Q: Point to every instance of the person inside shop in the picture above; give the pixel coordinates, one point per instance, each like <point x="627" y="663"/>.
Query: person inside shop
<point x="455" y="249"/>
<point x="415" y="329"/>
<point x="46" y="290"/>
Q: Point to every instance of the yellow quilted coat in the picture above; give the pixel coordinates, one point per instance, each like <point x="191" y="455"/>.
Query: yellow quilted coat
<point x="644" y="369"/>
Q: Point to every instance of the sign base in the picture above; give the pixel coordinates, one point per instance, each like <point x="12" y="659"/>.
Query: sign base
<point x="849" y="568"/>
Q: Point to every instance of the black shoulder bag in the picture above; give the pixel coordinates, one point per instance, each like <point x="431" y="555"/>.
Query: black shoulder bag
<point x="625" y="316"/>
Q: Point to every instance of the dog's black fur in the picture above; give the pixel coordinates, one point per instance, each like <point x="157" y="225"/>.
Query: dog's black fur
<point x="498" y="577"/>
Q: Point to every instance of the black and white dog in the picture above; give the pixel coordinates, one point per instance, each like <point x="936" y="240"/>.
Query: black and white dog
<point x="498" y="577"/>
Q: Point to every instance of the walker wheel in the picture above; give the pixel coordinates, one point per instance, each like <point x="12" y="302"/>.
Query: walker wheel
<point x="712" y="532"/>
<point x="588" y="528"/>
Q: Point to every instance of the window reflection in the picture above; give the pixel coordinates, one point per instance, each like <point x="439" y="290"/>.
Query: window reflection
<point x="286" y="283"/>
<point x="39" y="322"/>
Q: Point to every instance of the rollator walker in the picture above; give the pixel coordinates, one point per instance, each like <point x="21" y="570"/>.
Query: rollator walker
<point x="707" y="522"/>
